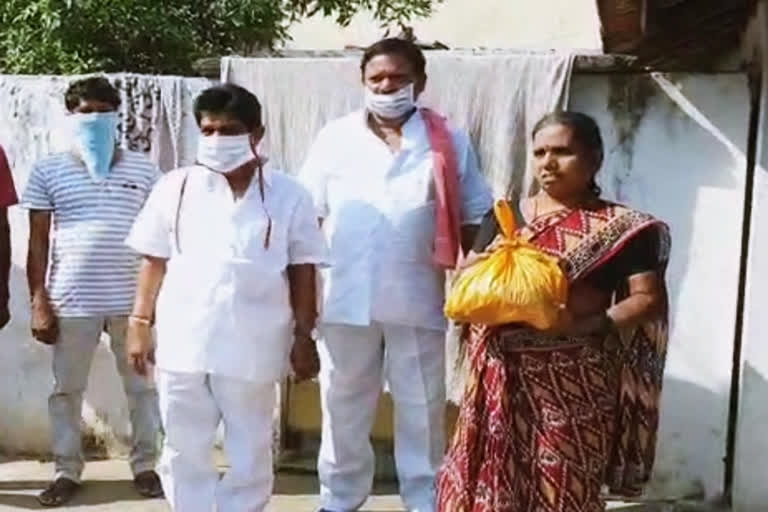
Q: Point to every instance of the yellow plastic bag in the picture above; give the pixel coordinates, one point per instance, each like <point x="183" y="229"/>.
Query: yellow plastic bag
<point x="517" y="283"/>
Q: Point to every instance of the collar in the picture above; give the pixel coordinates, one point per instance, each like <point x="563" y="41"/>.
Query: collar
<point x="412" y="130"/>
<point x="267" y="171"/>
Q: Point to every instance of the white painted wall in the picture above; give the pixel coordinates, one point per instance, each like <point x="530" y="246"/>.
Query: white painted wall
<point x="750" y="494"/>
<point x="684" y="161"/>
<point x="542" y="24"/>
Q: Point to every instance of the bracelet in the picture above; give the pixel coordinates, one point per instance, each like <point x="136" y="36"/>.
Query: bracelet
<point x="142" y="320"/>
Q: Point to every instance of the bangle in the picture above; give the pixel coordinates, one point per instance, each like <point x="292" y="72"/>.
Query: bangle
<point x="142" y="320"/>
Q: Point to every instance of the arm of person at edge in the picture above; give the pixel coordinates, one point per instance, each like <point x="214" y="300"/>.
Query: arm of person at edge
<point x="139" y="346"/>
<point x="5" y="266"/>
<point x="44" y="323"/>
<point x="7" y="198"/>
<point x="476" y="198"/>
<point x="149" y="237"/>
<point x="304" y="358"/>
<point x="307" y="250"/>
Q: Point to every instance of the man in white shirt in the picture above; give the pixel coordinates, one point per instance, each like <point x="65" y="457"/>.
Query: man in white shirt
<point x="373" y="177"/>
<point x="230" y="248"/>
<point x="91" y="194"/>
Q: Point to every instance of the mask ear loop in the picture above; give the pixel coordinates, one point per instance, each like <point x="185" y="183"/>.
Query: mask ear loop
<point x="178" y="213"/>
<point x="264" y="204"/>
<point x="268" y="234"/>
<point x="260" y="167"/>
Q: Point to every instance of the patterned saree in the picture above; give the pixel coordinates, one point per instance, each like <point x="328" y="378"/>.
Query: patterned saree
<point x="547" y="422"/>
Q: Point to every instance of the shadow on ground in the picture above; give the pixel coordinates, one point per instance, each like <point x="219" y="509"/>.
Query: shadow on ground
<point x="293" y="493"/>
<point x="23" y="494"/>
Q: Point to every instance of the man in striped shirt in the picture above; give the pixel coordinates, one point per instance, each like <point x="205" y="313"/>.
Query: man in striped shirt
<point x="92" y="194"/>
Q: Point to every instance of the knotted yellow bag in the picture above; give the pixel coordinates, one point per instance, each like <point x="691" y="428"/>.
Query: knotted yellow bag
<point x="516" y="283"/>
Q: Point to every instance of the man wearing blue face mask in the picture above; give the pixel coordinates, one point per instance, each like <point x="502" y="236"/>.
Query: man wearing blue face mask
<point x="92" y="194"/>
<point x="399" y="193"/>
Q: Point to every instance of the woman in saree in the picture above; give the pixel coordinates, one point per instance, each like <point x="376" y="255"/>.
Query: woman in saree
<point x="550" y="420"/>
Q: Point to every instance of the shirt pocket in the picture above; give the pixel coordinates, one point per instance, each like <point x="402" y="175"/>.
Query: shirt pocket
<point x="346" y="191"/>
<point x="192" y="281"/>
<point x="354" y="210"/>
<point x="412" y="184"/>
<point x="197" y="233"/>
<point x="412" y="232"/>
<point x="259" y="257"/>
<point x="261" y="240"/>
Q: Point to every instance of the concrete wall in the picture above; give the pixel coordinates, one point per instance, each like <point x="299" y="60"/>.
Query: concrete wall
<point x="540" y="24"/>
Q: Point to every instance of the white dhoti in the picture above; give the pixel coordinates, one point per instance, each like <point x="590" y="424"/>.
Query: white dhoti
<point x="191" y="405"/>
<point x="354" y="363"/>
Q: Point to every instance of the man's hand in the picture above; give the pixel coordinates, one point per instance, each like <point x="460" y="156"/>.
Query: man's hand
<point x="304" y="358"/>
<point x="139" y="347"/>
<point x="45" y="325"/>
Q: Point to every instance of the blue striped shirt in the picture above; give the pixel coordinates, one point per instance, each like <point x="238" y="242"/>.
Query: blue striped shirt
<point x="92" y="272"/>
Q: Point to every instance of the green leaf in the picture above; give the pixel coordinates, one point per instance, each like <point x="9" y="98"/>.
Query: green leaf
<point x="162" y="37"/>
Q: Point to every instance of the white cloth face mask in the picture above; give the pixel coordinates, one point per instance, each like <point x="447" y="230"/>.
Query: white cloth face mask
<point x="391" y="106"/>
<point x="224" y="153"/>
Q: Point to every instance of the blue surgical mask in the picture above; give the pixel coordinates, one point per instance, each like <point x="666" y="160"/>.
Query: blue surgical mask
<point x="94" y="141"/>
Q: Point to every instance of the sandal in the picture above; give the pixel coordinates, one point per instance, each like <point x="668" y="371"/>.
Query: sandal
<point x="58" y="493"/>
<point x="147" y="483"/>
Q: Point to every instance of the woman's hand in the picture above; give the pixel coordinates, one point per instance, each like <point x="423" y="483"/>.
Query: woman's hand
<point x="474" y="257"/>
<point x="589" y="325"/>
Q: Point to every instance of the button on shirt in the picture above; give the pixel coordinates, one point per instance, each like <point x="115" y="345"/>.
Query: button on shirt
<point x="224" y="305"/>
<point x="92" y="272"/>
<point x="379" y="217"/>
